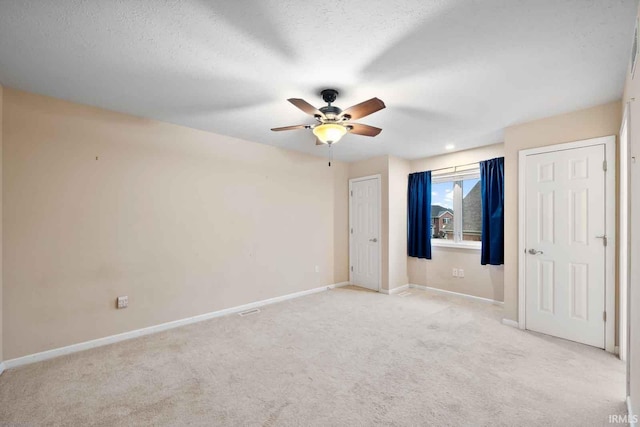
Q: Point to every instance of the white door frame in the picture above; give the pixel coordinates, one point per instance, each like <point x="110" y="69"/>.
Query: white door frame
<point x="625" y="242"/>
<point x="351" y="181"/>
<point x="610" y="226"/>
<point x="624" y="290"/>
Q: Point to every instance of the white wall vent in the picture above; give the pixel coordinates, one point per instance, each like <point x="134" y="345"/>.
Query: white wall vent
<point x="249" y="312"/>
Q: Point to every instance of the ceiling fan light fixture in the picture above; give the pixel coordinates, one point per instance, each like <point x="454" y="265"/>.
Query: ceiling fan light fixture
<point x="333" y="122"/>
<point x="329" y="133"/>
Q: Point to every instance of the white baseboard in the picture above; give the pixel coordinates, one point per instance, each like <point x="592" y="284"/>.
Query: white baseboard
<point x="511" y="323"/>
<point x="633" y="419"/>
<point x="442" y="291"/>
<point x="61" y="351"/>
<point x="394" y="290"/>
<point x="2" y="367"/>
<point x="338" y="285"/>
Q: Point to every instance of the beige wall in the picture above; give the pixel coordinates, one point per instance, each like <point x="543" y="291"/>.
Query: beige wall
<point x="374" y="166"/>
<point x="631" y="96"/>
<point x="399" y="170"/>
<point x="458" y="158"/>
<point x="602" y="120"/>
<point x="340" y="222"/>
<point x="100" y="204"/>
<point x="480" y="280"/>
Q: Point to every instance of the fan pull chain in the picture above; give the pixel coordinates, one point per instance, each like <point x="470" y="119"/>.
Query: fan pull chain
<point x="330" y="154"/>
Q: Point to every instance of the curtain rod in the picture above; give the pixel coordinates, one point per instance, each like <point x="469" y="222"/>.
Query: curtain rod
<point x="456" y="166"/>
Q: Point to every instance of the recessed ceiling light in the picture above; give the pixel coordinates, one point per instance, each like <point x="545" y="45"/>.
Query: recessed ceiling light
<point x="449" y="147"/>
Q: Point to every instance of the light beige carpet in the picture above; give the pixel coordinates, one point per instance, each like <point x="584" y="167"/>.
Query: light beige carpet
<point x="346" y="357"/>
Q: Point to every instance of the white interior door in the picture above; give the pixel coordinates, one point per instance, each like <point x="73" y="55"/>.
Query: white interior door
<point x="364" y="209"/>
<point x="565" y="244"/>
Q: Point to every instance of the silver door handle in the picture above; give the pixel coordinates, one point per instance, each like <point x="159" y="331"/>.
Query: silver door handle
<point x="534" y="252"/>
<point x="373" y="240"/>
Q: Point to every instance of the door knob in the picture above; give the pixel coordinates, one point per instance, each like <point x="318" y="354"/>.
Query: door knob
<point x="534" y="252"/>
<point x="604" y="239"/>
<point x="373" y="240"/>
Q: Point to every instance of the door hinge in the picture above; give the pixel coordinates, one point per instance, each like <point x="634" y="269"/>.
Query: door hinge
<point x="352" y="268"/>
<point x="604" y="316"/>
<point x="351" y="193"/>
<point x="351" y="230"/>
<point x="604" y="165"/>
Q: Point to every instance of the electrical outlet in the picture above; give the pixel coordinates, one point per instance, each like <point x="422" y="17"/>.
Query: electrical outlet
<point x="460" y="272"/>
<point x="455" y="272"/>
<point x="123" y="302"/>
<point x="317" y="269"/>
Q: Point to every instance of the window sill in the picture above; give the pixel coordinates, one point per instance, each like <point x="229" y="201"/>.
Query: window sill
<point x="442" y="243"/>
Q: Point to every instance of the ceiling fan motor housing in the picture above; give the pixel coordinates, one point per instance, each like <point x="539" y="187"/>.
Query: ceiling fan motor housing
<point x="331" y="112"/>
<point x="329" y="95"/>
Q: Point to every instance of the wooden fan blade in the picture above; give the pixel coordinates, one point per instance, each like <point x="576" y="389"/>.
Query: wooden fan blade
<point x="305" y="106"/>
<point x="291" y="128"/>
<point x="318" y="142"/>
<point x="364" y="109"/>
<point x="364" y="130"/>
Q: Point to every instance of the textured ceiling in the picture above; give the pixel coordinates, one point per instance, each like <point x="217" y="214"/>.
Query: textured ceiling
<point x="450" y="71"/>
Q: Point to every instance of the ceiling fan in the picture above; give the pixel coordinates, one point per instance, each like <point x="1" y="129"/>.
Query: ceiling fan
<point x="333" y="122"/>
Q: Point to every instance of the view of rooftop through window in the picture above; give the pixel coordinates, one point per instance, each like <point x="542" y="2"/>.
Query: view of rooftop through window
<point x="445" y="207"/>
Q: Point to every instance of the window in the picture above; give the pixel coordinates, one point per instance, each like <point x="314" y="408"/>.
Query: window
<point x="456" y="208"/>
